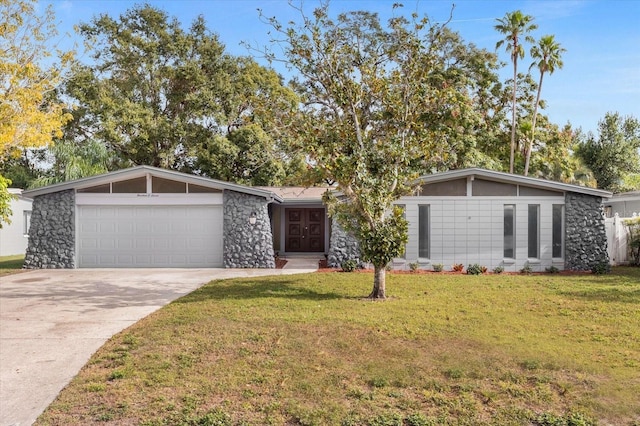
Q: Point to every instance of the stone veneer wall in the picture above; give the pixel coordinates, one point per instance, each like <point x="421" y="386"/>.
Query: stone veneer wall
<point x="246" y="245"/>
<point x="52" y="232"/>
<point x="585" y="235"/>
<point x="342" y="246"/>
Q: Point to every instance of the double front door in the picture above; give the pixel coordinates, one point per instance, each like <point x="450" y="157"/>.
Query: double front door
<point x="304" y="229"/>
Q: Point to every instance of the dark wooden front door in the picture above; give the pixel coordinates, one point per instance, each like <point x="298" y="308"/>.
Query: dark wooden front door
<point x="304" y="230"/>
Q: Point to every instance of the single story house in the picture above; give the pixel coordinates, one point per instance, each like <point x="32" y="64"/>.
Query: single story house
<point x="15" y="235"/>
<point x="150" y="217"/>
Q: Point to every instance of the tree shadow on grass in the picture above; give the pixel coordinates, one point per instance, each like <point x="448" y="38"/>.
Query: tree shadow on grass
<point x="283" y="288"/>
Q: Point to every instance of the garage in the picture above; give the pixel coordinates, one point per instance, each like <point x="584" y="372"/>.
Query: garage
<point x="149" y="236"/>
<point x="146" y="217"/>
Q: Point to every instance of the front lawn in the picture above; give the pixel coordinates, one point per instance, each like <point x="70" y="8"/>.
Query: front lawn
<point x="11" y="264"/>
<point x="308" y="350"/>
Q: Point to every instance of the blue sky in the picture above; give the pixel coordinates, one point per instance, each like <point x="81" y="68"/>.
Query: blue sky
<point x="601" y="66"/>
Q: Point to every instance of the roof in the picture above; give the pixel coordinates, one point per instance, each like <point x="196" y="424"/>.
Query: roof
<point x="298" y="194"/>
<point x="512" y="178"/>
<point x="626" y="196"/>
<point x="139" y="171"/>
<point x="18" y="192"/>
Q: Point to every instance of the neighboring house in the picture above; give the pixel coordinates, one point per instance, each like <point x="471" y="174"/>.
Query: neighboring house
<point x="14" y="236"/>
<point x="149" y="217"/>
<point x="624" y="204"/>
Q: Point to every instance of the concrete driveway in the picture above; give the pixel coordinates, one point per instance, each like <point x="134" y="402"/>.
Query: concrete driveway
<point x="52" y="321"/>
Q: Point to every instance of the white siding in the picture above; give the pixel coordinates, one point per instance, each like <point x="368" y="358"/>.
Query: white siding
<point x="469" y="230"/>
<point x="13" y="240"/>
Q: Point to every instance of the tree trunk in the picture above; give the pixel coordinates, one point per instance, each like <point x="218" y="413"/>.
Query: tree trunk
<point x="379" y="283"/>
<point x="513" y="113"/>
<point x="533" y="127"/>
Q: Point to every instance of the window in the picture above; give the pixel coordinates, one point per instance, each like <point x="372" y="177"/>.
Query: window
<point x="131" y="186"/>
<point x="26" y="224"/>
<point x="509" y="230"/>
<point x="534" y="231"/>
<point x="161" y="185"/>
<point x="557" y="228"/>
<point x="423" y="231"/>
<point x="402" y="254"/>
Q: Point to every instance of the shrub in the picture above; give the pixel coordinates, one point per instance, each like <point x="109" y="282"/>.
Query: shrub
<point x="458" y="267"/>
<point x="349" y="265"/>
<point x="437" y="267"/>
<point x="475" y="269"/>
<point x="413" y="266"/>
<point x="552" y="270"/>
<point x="601" y="268"/>
<point x="527" y="269"/>
<point x="498" y="269"/>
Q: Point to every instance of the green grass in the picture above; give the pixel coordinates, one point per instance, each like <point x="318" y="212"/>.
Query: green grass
<point x="309" y="350"/>
<point x="11" y="264"/>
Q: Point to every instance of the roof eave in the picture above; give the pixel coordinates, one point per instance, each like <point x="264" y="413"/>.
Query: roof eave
<point x="143" y="170"/>
<point x="511" y="178"/>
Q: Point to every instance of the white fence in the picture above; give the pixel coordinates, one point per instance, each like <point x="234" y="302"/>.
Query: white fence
<point x="617" y="239"/>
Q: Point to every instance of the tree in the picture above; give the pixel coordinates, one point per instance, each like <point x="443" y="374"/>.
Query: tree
<point x="71" y="160"/>
<point x="160" y="95"/>
<point x="614" y="155"/>
<point x="366" y="90"/>
<point x="514" y="26"/>
<point x="548" y="56"/>
<point x="29" y="116"/>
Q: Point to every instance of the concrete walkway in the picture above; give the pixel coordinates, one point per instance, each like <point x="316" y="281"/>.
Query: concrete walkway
<point x="52" y="321"/>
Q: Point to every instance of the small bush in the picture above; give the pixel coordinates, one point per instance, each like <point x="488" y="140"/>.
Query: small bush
<point x="475" y="269"/>
<point x="437" y="267"/>
<point x="527" y="269"/>
<point x="601" y="268"/>
<point x="552" y="270"/>
<point x="349" y="265"/>
<point x="413" y="266"/>
<point x="498" y="269"/>
<point x="458" y="267"/>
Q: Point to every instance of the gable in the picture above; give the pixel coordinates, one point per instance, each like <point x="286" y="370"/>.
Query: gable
<point x="151" y="180"/>
<point x="145" y="185"/>
<point x="486" y="183"/>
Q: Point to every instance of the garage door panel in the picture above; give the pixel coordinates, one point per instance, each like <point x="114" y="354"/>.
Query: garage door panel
<point x="149" y="236"/>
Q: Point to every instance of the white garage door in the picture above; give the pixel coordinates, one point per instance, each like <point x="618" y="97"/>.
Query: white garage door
<point x="149" y="236"/>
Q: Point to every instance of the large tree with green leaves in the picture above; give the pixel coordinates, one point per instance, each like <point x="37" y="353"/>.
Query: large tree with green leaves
<point x="367" y="90"/>
<point x="155" y="93"/>
<point x="614" y="154"/>
<point x="31" y="67"/>
<point x="515" y="26"/>
<point x="547" y="55"/>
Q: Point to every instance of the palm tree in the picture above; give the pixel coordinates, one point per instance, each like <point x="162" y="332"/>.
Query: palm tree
<point x="514" y="25"/>
<point x="547" y="57"/>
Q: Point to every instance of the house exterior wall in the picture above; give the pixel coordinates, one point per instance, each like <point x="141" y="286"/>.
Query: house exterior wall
<point x="343" y="246"/>
<point x="247" y="245"/>
<point x="52" y="233"/>
<point x="470" y="230"/>
<point x="13" y="240"/>
<point x="586" y="238"/>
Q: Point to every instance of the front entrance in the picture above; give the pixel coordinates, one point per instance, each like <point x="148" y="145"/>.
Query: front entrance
<point x="304" y="229"/>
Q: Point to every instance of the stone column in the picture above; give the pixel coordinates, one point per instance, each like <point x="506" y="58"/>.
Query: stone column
<point x="342" y="246"/>
<point x="247" y="245"/>
<point x="52" y="232"/>
<point x="585" y="234"/>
